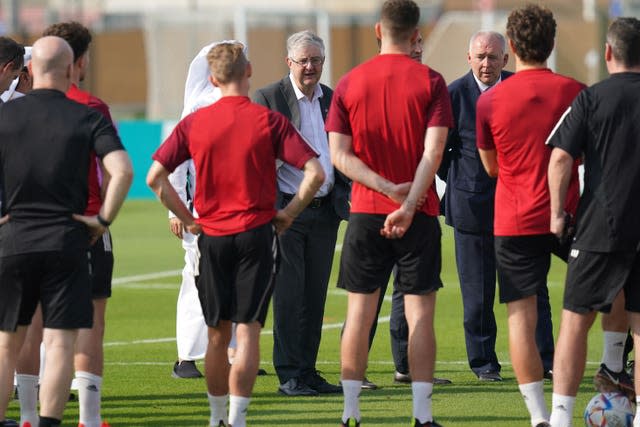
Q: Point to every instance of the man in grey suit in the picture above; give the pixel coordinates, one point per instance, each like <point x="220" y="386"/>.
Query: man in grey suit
<point x="469" y="208"/>
<point x="307" y="247"/>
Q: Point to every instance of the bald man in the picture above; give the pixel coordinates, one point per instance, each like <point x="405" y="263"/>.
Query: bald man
<point x="44" y="237"/>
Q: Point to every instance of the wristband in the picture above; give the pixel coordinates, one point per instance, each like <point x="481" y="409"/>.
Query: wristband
<point x="103" y="222"/>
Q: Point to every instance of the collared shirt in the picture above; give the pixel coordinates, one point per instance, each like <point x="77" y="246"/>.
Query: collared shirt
<point x="312" y="128"/>
<point x="483" y="86"/>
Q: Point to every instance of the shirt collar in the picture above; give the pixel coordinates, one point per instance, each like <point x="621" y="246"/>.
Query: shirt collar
<point x="483" y="86"/>
<point x="317" y="93"/>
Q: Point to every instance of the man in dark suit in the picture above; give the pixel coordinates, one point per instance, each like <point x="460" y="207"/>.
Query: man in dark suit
<point x="307" y="247"/>
<point x="469" y="206"/>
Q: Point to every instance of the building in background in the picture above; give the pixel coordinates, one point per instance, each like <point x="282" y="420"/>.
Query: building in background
<point x="142" y="48"/>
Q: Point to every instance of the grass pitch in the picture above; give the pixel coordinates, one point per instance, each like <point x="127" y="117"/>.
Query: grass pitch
<point x="140" y="350"/>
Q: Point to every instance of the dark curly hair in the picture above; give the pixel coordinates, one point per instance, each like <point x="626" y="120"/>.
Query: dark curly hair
<point x="400" y="18"/>
<point x="76" y="34"/>
<point x="532" y="30"/>
<point x="11" y="52"/>
<point x="624" y="38"/>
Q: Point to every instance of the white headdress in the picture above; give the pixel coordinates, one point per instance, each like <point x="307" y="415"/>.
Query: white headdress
<point x="198" y="90"/>
<point x="11" y="93"/>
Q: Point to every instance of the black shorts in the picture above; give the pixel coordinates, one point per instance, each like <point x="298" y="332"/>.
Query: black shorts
<point x="58" y="280"/>
<point x="236" y="275"/>
<point x="523" y="263"/>
<point x="594" y="279"/>
<point x="368" y="258"/>
<point x="101" y="257"/>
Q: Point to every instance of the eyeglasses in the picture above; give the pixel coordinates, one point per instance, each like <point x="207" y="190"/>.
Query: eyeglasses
<point x="314" y="61"/>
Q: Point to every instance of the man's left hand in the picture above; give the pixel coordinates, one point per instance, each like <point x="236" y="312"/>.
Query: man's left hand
<point x="95" y="228"/>
<point x="397" y="223"/>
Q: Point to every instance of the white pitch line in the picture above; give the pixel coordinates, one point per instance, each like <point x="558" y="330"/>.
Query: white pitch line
<point x="142" y="277"/>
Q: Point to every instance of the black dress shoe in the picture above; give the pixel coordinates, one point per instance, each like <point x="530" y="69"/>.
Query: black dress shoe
<point x="261" y="372"/>
<point x="401" y="378"/>
<point x="490" y="376"/>
<point x="319" y="384"/>
<point x="185" y="369"/>
<point x="368" y="385"/>
<point x="296" y="387"/>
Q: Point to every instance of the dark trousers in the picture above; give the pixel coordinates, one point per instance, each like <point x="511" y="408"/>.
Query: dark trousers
<point x="476" y="264"/>
<point x="300" y="293"/>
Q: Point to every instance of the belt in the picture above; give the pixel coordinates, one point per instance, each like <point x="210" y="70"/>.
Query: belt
<point x="316" y="202"/>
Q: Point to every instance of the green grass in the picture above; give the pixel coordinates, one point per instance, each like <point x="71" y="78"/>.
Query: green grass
<point x="140" y="350"/>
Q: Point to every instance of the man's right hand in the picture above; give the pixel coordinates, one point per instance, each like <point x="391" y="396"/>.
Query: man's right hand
<point x="282" y="221"/>
<point x="176" y="227"/>
<point x="398" y="192"/>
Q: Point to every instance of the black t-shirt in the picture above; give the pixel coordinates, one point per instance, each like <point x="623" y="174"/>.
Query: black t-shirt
<point x="45" y="145"/>
<point x="603" y="123"/>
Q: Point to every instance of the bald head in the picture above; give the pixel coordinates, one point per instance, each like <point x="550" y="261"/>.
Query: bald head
<point x="51" y="62"/>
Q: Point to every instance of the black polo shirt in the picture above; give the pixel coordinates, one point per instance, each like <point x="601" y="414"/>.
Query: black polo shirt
<point x="603" y="123"/>
<point x="45" y="142"/>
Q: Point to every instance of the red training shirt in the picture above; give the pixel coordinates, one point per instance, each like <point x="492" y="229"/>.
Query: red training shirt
<point x="94" y="201"/>
<point x="386" y="104"/>
<point x="234" y="144"/>
<point x="515" y="118"/>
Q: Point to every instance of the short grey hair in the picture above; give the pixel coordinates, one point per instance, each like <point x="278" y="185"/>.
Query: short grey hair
<point x="489" y="34"/>
<point x="301" y="39"/>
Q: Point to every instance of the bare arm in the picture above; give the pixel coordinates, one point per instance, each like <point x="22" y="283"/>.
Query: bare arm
<point x="178" y="179"/>
<point x="399" y="221"/>
<point x="559" y="175"/>
<point x="311" y="182"/>
<point x="489" y="160"/>
<point x="158" y="181"/>
<point x="118" y="166"/>
<point x="350" y="165"/>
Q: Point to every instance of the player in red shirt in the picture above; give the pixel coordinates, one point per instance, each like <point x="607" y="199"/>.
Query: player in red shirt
<point x="513" y="122"/>
<point x="388" y="136"/>
<point x="234" y="144"/>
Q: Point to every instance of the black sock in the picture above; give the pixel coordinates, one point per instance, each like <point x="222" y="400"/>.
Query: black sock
<point x="49" y="422"/>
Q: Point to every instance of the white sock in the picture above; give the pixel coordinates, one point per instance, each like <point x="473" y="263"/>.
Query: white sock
<point x="89" y="392"/>
<point x="533" y="395"/>
<point x="238" y="406"/>
<point x="562" y="410"/>
<point x="636" y="419"/>
<point x="351" y="391"/>
<point x="422" y="401"/>
<point x="613" y="350"/>
<point x="218" y="407"/>
<point x="28" y="397"/>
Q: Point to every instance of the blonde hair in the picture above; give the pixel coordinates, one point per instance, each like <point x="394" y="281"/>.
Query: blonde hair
<point x="227" y="62"/>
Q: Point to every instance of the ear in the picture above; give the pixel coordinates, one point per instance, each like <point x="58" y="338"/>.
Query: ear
<point x="288" y="61"/>
<point x="69" y="71"/>
<point x="249" y="70"/>
<point x="213" y="81"/>
<point x="378" y="30"/>
<point x="81" y="62"/>
<point x="511" y="46"/>
<point x="29" y="68"/>
<point x="414" y="36"/>
<point x="608" y="52"/>
<point x="506" y="60"/>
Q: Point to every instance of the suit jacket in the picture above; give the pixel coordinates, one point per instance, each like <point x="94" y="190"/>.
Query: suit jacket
<point x="469" y="197"/>
<point x="281" y="97"/>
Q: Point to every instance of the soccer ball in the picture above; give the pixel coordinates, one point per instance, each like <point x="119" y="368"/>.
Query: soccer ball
<point x="611" y="409"/>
